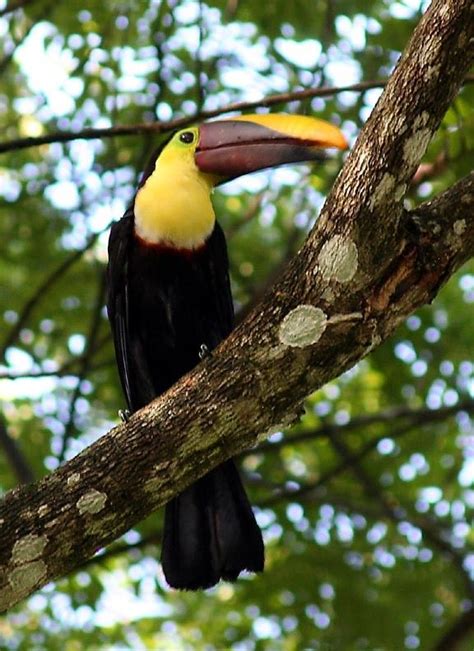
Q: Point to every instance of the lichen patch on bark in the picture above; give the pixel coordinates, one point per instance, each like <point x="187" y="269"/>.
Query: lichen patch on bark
<point x="28" y="548"/>
<point x="415" y="146"/>
<point x="91" y="502"/>
<point x="43" y="510"/>
<point x="73" y="480"/>
<point x="399" y="192"/>
<point x="338" y="259"/>
<point x="302" y="327"/>
<point x="382" y="190"/>
<point x="459" y="226"/>
<point x="25" y="577"/>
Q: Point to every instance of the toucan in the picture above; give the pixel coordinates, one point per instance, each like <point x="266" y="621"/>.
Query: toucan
<point x="169" y="303"/>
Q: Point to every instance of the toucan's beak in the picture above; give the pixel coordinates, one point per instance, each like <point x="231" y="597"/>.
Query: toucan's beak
<point x="231" y="148"/>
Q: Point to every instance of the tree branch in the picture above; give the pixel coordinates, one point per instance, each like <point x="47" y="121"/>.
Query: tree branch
<point x="48" y="282"/>
<point x="36" y="297"/>
<point x="68" y="368"/>
<point x="123" y="548"/>
<point x="85" y="361"/>
<point x="13" y="5"/>
<point x="415" y="418"/>
<point x="171" y="125"/>
<point x="15" y="457"/>
<point x="397" y="513"/>
<point x="359" y="274"/>
<point x="8" y="57"/>
<point x="457" y="632"/>
<point x="350" y="460"/>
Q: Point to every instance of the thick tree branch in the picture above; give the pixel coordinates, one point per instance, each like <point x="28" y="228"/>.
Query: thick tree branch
<point x="362" y="270"/>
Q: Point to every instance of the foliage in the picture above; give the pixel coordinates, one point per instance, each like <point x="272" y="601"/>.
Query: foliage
<point x="367" y="553"/>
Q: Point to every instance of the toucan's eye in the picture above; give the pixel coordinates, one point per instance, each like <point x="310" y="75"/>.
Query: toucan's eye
<point x="187" y="137"/>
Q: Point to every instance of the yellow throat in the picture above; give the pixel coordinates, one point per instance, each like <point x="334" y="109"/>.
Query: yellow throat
<point x="174" y="205"/>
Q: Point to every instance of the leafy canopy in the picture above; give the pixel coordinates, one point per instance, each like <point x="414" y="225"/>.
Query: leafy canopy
<point x="356" y="549"/>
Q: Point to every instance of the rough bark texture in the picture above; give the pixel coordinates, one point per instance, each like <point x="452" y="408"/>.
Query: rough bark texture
<point x="364" y="268"/>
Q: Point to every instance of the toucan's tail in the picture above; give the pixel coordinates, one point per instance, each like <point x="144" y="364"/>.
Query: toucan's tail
<point x="210" y="532"/>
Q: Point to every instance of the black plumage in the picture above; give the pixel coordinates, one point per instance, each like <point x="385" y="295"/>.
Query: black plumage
<point x="163" y="305"/>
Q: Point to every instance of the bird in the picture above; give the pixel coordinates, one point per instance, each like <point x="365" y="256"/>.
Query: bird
<point x="169" y="303"/>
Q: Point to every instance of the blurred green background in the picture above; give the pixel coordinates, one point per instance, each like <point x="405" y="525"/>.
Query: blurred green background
<point x="366" y="505"/>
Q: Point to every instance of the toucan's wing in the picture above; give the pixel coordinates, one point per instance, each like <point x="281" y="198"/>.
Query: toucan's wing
<point x="219" y="278"/>
<point x="117" y="297"/>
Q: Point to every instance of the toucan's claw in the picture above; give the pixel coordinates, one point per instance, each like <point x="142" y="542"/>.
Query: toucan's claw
<point x="124" y="415"/>
<point x="204" y="352"/>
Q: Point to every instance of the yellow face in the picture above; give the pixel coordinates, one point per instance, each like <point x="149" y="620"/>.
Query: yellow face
<point x="174" y="206"/>
<point x="181" y="146"/>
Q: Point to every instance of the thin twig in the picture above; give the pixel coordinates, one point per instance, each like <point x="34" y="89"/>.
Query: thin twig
<point x="14" y="5"/>
<point x="4" y="63"/>
<point x="415" y="417"/>
<point x="40" y="292"/>
<point x="170" y="125"/>
<point x="85" y="363"/>
<point x="457" y="632"/>
<point x="160" y="34"/>
<point x="67" y="369"/>
<point x="353" y="460"/>
<point x="348" y="462"/>
<point x="15" y="456"/>
<point x="162" y="127"/>
<point x="398" y="513"/>
<point x="198" y="71"/>
<point x="117" y="550"/>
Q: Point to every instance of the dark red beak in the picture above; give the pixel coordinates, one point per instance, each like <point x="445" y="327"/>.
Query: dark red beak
<point x="231" y="148"/>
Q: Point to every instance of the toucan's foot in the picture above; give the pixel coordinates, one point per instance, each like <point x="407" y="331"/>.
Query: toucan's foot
<point x="204" y="352"/>
<point x="124" y="415"/>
